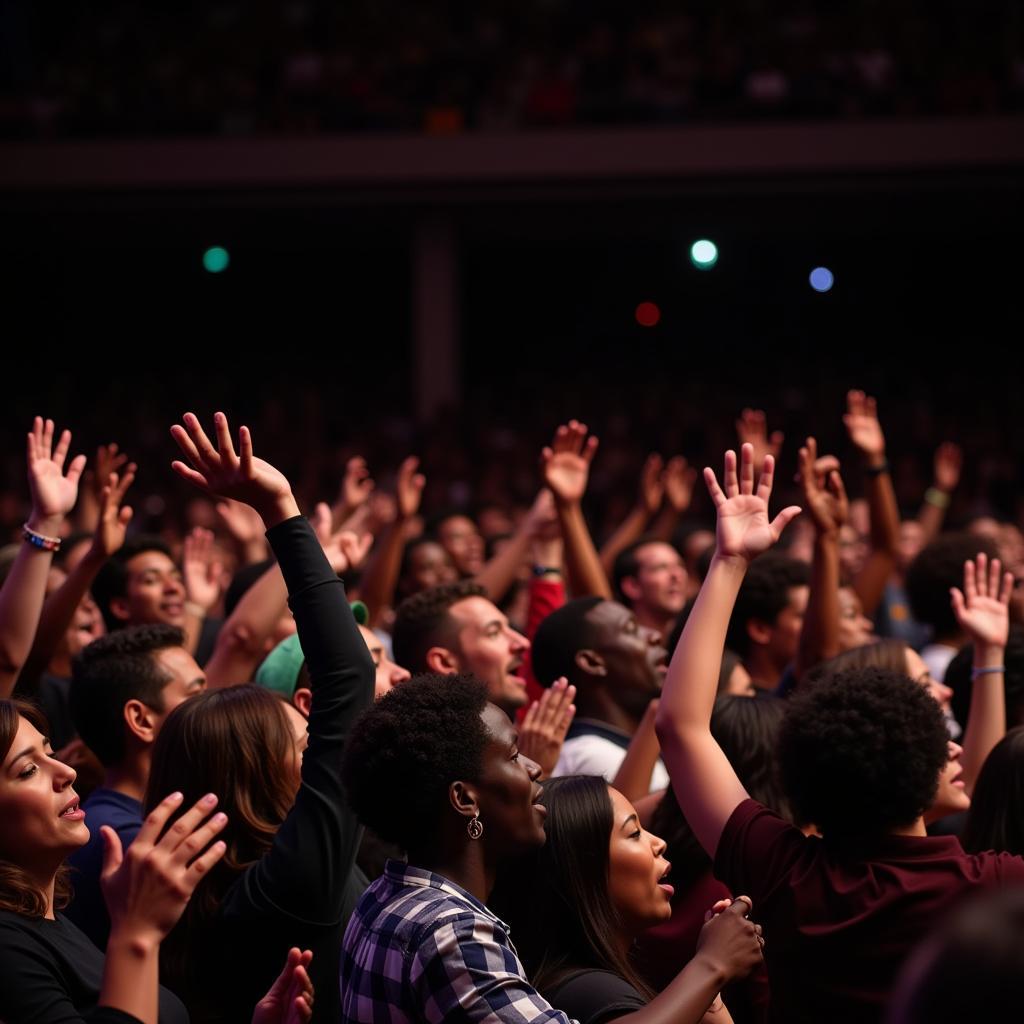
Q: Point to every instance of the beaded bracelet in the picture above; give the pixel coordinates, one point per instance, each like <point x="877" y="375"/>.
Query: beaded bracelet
<point x="39" y="540"/>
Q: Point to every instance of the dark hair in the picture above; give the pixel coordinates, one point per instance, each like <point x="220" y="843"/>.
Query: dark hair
<point x="243" y="580"/>
<point x="627" y="565"/>
<point x="422" y="621"/>
<point x="408" y="748"/>
<point x="888" y="654"/>
<point x="937" y="568"/>
<point x="747" y="730"/>
<point x="557" y="899"/>
<point x="111" y="671"/>
<point x="559" y="636"/>
<point x="970" y="968"/>
<point x="112" y="580"/>
<point x="19" y="893"/>
<point x="861" y="752"/>
<point x="958" y="676"/>
<point x="996" y="818"/>
<point x="402" y="586"/>
<point x="763" y="595"/>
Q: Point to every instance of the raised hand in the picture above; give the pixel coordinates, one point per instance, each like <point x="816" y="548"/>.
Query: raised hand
<point x="744" y="530"/>
<point x="147" y="887"/>
<point x="862" y="426"/>
<point x="356" y="484"/>
<point x="114" y="518"/>
<point x="219" y="471"/>
<point x="201" y="569"/>
<point x="344" y="549"/>
<point x="948" y="463"/>
<point x="983" y="607"/>
<point x="678" y="480"/>
<point x="652" y="487"/>
<point x="730" y="940"/>
<point x="566" y="464"/>
<point x="53" y="491"/>
<point x="824" y="494"/>
<point x="290" y="999"/>
<point x="409" y="486"/>
<point x="545" y="724"/>
<point x="752" y="428"/>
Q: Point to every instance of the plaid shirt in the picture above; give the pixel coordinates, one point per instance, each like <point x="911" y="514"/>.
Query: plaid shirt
<point x="420" y="948"/>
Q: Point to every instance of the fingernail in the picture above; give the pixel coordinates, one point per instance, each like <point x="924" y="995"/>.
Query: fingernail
<point x="209" y="800"/>
<point x="219" y="818"/>
<point x="176" y="797"/>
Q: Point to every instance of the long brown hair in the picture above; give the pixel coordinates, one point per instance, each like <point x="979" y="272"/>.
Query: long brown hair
<point x="18" y="893"/>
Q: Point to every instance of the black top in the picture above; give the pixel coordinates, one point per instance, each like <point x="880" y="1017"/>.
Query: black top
<point x="303" y="890"/>
<point x="593" y="996"/>
<point x="50" y="973"/>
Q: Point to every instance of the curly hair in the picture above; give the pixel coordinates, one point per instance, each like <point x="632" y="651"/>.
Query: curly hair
<point x="560" y="635"/>
<point x="408" y="748"/>
<point x="111" y="671"/>
<point x="936" y="569"/>
<point x="958" y="676"/>
<point x="861" y="752"/>
<point x="422" y="621"/>
<point x="763" y="595"/>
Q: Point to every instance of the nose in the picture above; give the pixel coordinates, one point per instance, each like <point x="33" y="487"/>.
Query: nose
<point x="653" y="636"/>
<point x="398" y="674"/>
<point x="955" y="750"/>
<point x="518" y="642"/>
<point x="63" y="776"/>
<point x="942" y="693"/>
<point x="658" y="845"/>
<point x="532" y="768"/>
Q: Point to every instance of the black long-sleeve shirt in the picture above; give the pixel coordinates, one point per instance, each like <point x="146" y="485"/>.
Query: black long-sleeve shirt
<point x="302" y="891"/>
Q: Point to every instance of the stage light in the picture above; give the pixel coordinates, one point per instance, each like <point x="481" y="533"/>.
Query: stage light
<point x="647" y="314"/>
<point x="216" y="259"/>
<point x="822" y="279"/>
<point x="704" y="254"/>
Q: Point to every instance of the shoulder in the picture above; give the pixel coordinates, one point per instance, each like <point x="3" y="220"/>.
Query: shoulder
<point x="590" y="754"/>
<point x="594" y="996"/>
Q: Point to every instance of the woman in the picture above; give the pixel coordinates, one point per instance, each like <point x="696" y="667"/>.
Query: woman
<point x="578" y="905"/>
<point x="287" y="877"/>
<point x="49" y="970"/>
<point x="436" y="769"/>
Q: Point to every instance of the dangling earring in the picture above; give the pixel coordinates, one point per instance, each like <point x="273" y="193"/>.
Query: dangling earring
<point x="475" y="827"/>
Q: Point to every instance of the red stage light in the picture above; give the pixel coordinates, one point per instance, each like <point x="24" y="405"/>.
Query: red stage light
<point x="647" y="314"/>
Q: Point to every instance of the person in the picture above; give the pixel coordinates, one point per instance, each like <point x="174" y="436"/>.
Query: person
<point x="49" y="971"/>
<point x="996" y="818"/>
<point x="123" y="687"/>
<point x="287" y="878"/>
<point x="579" y="903"/>
<point x="617" y="667"/>
<point x="454" y="628"/>
<point x="651" y="580"/>
<point x="861" y="757"/>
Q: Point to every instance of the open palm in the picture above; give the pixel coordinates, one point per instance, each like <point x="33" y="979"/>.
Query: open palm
<point x="983" y="607"/>
<point x="744" y="529"/>
<point x="566" y="464"/>
<point x="53" y="492"/>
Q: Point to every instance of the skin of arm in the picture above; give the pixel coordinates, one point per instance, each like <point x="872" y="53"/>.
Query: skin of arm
<point x="500" y="572"/>
<point x="865" y="432"/>
<point x="826" y="503"/>
<point x="633" y="779"/>
<point x="631" y="529"/>
<point x="53" y="497"/>
<point x="982" y="609"/>
<point x="948" y="461"/>
<point x="678" y="480"/>
<point x="704" y="781"/>
<point x="566" y="468"/>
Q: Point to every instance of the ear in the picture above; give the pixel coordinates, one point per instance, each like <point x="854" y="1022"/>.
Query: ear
<point x="140" y="720"/>
<point x="591" y="662"/>
<point x="441" y="660"/>
<point x="119" y="608"/>
<point x="463" y="797"/>
<point x="759" y="631"/>
<point x="303" y="700"/>
<point x="631" y="588"/>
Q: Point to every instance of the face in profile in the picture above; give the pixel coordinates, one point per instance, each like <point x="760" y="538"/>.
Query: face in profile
<point x="633" y="657"/>
<point x="489" y="648"/>
<point x="386" y="673"/>
<point x="660" y="581"/>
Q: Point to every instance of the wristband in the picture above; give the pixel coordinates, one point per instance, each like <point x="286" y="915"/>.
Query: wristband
<point x="195" y="609"/>
<point x="40" y="540"/>
<point x="876" y="470"/>
<point x="975" y="672"/>
<point x="546" y="570"/>
<point x="937" y="498"/>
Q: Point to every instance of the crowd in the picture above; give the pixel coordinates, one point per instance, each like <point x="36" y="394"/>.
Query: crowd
<point x="309" y="66"/>
<point x="392" y="760"/>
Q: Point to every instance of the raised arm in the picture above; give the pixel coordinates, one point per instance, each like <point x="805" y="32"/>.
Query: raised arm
<point x="948" y="462"/>
<point x="566" y="469"/>
<point x="648" y="501"/>
<point x="825" y="501"/>
<point x="500" y="572"/>
<point x="983" y="610"/>
<point x="53" y="496"/>
<point x="865" y="431"/>
<point x="704" y="781"/>
<point x="678" y="479"/>
<point x="354" y="492"/>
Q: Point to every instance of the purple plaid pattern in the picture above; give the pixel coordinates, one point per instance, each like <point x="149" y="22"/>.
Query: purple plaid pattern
<point x="420" y="948"/>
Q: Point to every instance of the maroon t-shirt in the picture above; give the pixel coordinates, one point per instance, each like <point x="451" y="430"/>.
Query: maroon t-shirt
<point x="838" y="925"/>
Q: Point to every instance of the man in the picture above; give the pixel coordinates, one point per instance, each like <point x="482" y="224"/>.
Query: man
<point x="454" y="628"/>
<point x="651" y="580"/>
<point x="616" y="665"/>
<point x="765" y="626"/>
<point x="123" y="687"/>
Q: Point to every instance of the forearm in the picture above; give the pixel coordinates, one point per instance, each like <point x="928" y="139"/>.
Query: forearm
<point x="885" y="534"/>
<point x="819" y="637"/>
<point x="686" y="999"/>
<point x="242" y="639"/>
<point x="131" y="977"/>
<point x="498" y="575"/>
<point x="629" y="530"/>
<point x="633" y="779"/>
<point x="986" y="724"/>
<point x="586" y="576"/>
<point x="664" y="526"/>
<point x="933" y="513"/>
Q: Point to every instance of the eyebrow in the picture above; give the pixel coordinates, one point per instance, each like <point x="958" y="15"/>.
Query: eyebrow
<point x="27" y="751"/>
<point x="494" y="622"/>
<point x="629" y="819"/>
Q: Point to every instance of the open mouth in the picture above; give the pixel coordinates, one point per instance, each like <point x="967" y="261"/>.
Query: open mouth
<point x="663" y="883"/>
<point x="72" y="812"/>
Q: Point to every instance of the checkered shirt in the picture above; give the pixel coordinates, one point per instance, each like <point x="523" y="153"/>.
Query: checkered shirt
<point x="420" y="948"/>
